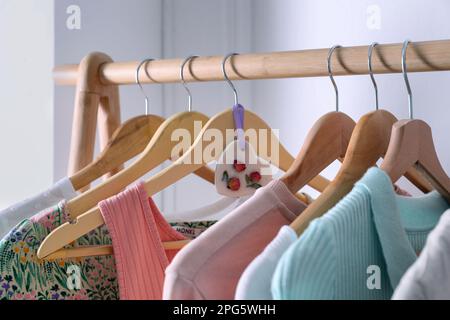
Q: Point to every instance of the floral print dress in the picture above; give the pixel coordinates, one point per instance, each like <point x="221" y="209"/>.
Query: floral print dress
<point x="25" y="277"/>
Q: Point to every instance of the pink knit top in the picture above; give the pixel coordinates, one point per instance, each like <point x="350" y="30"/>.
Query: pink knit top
<point x="138" y="231"/>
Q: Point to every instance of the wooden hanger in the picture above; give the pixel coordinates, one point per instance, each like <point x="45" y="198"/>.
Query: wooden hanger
<point x="155" y="153"/>
<point x="368" y="143"/>
<point x="326" y="142"/>
<point x="128" y="141"/>
<point x="183" y="166"/>
<point x="412" y="145"/>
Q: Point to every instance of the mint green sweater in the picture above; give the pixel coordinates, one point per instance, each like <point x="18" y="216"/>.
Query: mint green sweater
<point x="361" y="248"/>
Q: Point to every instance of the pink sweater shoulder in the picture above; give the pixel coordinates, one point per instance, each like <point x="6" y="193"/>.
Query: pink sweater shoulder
<point x="138" y="231"/>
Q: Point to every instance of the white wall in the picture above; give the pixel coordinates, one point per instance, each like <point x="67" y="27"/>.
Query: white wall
<point x="293" y="105"/>
<point x="26" y="93"/>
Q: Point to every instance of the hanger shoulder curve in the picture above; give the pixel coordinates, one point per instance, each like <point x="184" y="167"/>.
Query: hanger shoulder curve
<point x="412" y="145"/>
<point x="155" y="153"/>
<point x="285" y="159"/>
<point x="127" y="141"/>
<point x="326" y="141"/>
<point x="71" y="232"/>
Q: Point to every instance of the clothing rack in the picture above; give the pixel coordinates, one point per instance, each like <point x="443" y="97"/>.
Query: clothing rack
<point x="421" y="57"/>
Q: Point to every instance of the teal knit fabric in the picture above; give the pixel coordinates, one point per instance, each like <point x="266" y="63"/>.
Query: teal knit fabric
<point x="361" y="248"/>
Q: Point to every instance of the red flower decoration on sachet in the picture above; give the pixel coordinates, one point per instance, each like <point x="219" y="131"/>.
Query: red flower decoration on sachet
<point x="255" y="176"/>
<point x="239" y="167"/>
<point x="234" y="184"/>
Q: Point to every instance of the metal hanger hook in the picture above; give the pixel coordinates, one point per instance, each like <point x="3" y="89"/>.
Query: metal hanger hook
<point x="330" y="73"/>
<point x="236" y="99"/>
<point x="184" y="82"/>
<point x="405" y="76"/>
<point x="140" y="85"/>
<point x="369" y="63"/>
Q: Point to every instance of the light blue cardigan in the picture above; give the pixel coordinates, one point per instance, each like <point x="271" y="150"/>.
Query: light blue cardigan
<point x="361" y="248"/>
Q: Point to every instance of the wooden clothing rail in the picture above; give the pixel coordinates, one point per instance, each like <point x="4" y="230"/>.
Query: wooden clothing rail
<point x="421" y="56"/>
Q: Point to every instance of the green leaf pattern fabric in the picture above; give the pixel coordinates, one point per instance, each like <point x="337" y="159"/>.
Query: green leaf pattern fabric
<point x="25" y="277"/>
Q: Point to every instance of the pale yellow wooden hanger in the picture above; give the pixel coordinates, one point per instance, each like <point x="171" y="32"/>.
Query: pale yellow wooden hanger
<point x="368" y="143"/>
<point x="155" y="153"/>
<point x="326" y="142"/>
<point x="127" y="141"/>
<point x="220" y="124"/>
<point x="412" y="145"/>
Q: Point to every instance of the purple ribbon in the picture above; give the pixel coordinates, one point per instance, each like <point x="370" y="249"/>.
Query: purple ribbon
<point x="238" y="115"/>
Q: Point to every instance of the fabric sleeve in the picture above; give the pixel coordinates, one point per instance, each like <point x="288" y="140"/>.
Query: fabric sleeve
<point x="251" y="285"/>
<point x="307" y="270"/>
<point x="428" y="278"/>
<point x="409" y="288"/>
<point x="178" y="288"/>
<point x="25" y="209"/>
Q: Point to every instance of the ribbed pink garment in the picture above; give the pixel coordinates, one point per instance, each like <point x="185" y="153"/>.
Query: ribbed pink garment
<point x="138" y="231"/>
